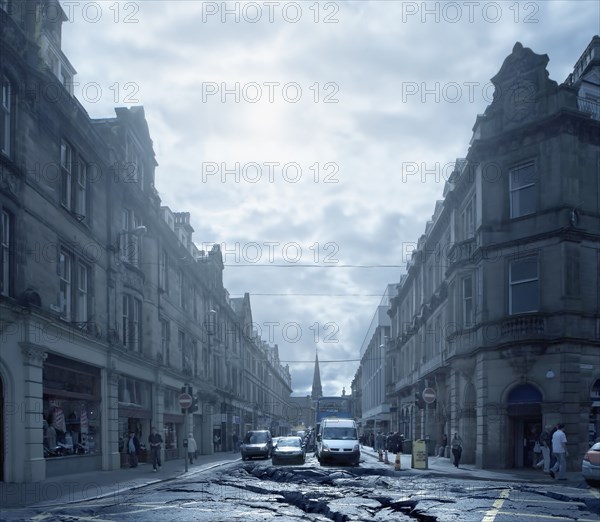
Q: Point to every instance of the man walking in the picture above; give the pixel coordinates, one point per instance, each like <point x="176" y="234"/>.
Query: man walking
<point x="155" y="440"/>
<point x="457" y="449"/>
<point x="559" y="448"/>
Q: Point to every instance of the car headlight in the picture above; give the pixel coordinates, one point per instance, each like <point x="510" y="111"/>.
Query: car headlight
<point x="325" y="447"/>
<point x="356" y="447"/>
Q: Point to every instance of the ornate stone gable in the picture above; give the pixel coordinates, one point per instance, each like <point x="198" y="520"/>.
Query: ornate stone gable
<point x="522" y="90"/>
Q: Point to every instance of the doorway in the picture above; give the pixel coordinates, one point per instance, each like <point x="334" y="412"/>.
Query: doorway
<point x="526" y="431"/>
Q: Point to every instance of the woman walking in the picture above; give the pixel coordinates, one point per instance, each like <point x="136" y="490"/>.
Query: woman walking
<point x="456" y="449"/>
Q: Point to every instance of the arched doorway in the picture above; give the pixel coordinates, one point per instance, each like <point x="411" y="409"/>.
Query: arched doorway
<point x="524" y="408"/>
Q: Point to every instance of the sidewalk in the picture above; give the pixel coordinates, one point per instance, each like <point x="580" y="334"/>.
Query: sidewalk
<point x="442" y="465"/>
<point x="98" y="484"/>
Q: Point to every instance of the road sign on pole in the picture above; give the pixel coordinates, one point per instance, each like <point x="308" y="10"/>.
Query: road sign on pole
<point x="428" y="395"/>
<point x="185" y="400"/>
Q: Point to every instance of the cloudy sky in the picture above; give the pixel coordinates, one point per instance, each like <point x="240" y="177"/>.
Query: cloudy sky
<point x="310" y="139"/>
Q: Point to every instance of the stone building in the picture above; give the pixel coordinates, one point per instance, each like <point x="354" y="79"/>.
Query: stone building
<point x="107" y="307"/>
<point x="498" y="312"/>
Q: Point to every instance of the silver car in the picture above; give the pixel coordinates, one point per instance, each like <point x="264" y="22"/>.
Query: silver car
<point x="590" y="466"/>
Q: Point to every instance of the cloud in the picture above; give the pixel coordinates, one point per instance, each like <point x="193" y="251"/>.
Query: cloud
<point x="367" y="144"/>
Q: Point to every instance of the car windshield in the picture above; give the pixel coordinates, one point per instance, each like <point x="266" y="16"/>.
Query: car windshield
<point x="255" y="438"/>
<point x="340" y="433"/>
<point x="295" y="443"/>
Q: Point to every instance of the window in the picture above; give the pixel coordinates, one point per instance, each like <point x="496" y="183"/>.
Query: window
<point x="468" y="219"/>
<point x="165" y="329"/>
<point x="130" y="237"/>
<point x="66" y="164"/>
<point x="181" y="347"/>
<point x="467" y="291"/>
<point x="181" y="290"/>
<point x="82" y="293"/>
<point x="164" y="271"/>
<point x="522" y="190"/>
<point x="65" y="297"/>
<point x="6" y="117"/>
<point x="523" y="286"/>
<point x="5" y="264"/>
<point x="81" y="190"/>
<point x="195" y="356"/>
<point x="132" y="313"/>
<point x="73" y="181"/>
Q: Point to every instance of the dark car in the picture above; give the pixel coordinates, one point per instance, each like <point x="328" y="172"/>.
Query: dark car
<point x="256" y="443"/>
<point x="289" y="449"/>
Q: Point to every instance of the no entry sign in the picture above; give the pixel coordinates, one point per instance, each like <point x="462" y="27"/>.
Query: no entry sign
<point x="428" y="395"/>
<point x="185" y="400"/>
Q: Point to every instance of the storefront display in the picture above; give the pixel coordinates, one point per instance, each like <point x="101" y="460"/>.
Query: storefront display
<point x="71" y="408"/>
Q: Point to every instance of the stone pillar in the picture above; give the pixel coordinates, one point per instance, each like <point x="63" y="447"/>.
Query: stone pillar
<point x="32" y="432"/>
<point x="111" y="458"/>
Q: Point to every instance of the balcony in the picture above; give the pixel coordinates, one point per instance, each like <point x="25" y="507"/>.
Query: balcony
<point x="589" y="106"/>
<point x="523" y="326"/>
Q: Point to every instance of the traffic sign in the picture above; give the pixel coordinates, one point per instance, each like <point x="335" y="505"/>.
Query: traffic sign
<point x="428" y="395"/>
<point x="185" y="400"/>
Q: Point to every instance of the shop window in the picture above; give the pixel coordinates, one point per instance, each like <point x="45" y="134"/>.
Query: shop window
<point x="72" y="422"/>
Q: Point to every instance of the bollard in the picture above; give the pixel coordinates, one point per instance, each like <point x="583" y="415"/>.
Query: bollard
<point x="397" y="463"/>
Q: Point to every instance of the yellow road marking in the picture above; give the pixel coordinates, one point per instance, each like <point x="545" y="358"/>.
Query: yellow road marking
<point x="490" y="516"/>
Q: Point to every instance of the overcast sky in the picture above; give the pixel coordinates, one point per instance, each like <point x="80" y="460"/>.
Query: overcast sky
<point x="334" y="111"/>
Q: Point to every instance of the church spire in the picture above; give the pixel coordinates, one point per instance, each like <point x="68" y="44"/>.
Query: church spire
<point x="317" y="389"/>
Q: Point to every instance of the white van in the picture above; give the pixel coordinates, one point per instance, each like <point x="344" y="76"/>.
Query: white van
<point x="337" y="441"/>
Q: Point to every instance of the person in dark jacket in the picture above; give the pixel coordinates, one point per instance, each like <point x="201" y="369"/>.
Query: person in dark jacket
<point x="155" y="441"/>
<point x="133" y="446"/>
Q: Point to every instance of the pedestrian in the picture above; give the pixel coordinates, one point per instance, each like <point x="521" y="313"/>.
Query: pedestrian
<point x="379" y="445"/>
<point x="559" y="448"/>
<point x="155" y="440"/>
<point x="133" y="446"/>
<point x="456" y="449"/>
<point x="545" y="443"/>
<point x="443" y="445"/>
<point x="192" y="447"/>
<point x="216" y="441"/>
<point x="236" y="442"/>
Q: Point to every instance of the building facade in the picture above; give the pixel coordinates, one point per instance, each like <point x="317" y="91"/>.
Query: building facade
<point x="107" y="307"/>
<point x="498" y="309"/>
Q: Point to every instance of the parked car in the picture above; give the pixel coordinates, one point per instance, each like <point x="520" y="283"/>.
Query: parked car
<point x="256" y="443"/>
<point x="289" y="449"/>
<point x="590" y="466"/>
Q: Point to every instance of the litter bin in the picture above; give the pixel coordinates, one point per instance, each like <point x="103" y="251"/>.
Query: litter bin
<point x="407" y="446"/>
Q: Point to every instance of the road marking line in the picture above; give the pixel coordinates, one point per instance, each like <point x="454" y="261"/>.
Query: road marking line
<point x="595" y="493"/>
<point x="550" y="517"/>
<point x="547" y="501"/>
<point x="490" y="516"/>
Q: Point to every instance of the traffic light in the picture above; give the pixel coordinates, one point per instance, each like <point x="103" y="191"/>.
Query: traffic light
<point x="419" y="400"/>
<point x="194" y="406"/>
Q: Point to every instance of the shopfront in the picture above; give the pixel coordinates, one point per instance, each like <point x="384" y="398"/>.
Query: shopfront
<point x="594" y="420"/>
<point x="72" y="422"/>
<point x="135" y="416"/>
<point x="173" y="424"/>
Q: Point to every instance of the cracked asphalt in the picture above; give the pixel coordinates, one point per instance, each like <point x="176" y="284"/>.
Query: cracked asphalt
<point x="258" y="491"/>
